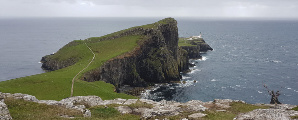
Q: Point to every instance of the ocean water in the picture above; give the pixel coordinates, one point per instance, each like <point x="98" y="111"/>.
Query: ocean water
<point x="247" y="54"/>
<point x="24" y="41"/>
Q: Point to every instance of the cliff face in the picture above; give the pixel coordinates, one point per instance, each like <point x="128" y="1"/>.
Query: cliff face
<point x="156" y="59"/>
<point x="193" y="52"/>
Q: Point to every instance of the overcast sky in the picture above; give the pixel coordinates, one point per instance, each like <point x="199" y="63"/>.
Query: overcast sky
<point x="150" y="8"/>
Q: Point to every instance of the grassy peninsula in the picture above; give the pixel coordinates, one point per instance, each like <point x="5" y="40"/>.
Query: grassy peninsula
<point x="56" y="85"/>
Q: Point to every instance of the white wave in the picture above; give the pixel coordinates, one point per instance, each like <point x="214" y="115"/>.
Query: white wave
<point x="39" y="62"/>
<point x="289" y="88"/>
<point x="237" y="85"/>
<point x="213" y="80"/>
<point x="183" y="77"/>
<point x="194" y="70"/>
<point x="186" y="83"/>
<point x="203" y="58"/>
<point x="275" y="61"/>
<point x="260" y="92"/>
<point x="223" y="87"/>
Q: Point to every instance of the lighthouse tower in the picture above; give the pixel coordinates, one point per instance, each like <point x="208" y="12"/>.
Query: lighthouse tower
<point x="200" y="36"/>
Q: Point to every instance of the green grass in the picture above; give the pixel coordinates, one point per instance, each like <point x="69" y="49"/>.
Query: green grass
<point x="56" y="85"/>
<point x="184" y="42"/>
<point x="24" y="110"/>
<point x="296" y="109"/>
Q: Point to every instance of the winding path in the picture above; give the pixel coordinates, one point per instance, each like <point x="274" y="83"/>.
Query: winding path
<point x="71" y="94"/>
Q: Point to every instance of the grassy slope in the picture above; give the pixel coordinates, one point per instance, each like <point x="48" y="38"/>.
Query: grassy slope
<point x="56" y="84"/>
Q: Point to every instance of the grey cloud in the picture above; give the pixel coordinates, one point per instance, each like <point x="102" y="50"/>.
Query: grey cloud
<point x="192" y="8"/>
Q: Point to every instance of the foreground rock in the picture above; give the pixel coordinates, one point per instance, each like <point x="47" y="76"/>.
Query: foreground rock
<point x="149" y="109"/>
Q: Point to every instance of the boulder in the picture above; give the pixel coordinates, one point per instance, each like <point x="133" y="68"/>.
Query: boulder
<point x="196" y="115"/>
<point x="87" y="100"/>
<point x="195" y="105"/>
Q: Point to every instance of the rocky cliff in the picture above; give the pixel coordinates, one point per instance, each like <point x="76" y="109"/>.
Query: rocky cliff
<point x="156" y="59"/>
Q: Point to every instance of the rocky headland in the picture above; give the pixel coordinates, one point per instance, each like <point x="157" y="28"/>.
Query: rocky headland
<point x="156" y="59"/>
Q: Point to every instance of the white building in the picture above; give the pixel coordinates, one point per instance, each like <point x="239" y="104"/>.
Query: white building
<point x="195" y="37"/>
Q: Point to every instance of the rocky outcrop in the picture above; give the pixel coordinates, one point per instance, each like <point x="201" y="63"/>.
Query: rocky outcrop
<point x="204" y="47"/>
<point x="196" y="46"/>
<point x="193" y="108"/>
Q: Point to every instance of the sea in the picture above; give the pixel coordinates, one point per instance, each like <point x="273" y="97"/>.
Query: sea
<point x="248" y="54"/>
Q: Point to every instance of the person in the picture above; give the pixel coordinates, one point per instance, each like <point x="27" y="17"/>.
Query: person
<point x="274" y="97"/>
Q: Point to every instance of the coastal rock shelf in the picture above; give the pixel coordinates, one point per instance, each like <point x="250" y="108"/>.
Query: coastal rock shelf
<point x="148" y="109"/>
